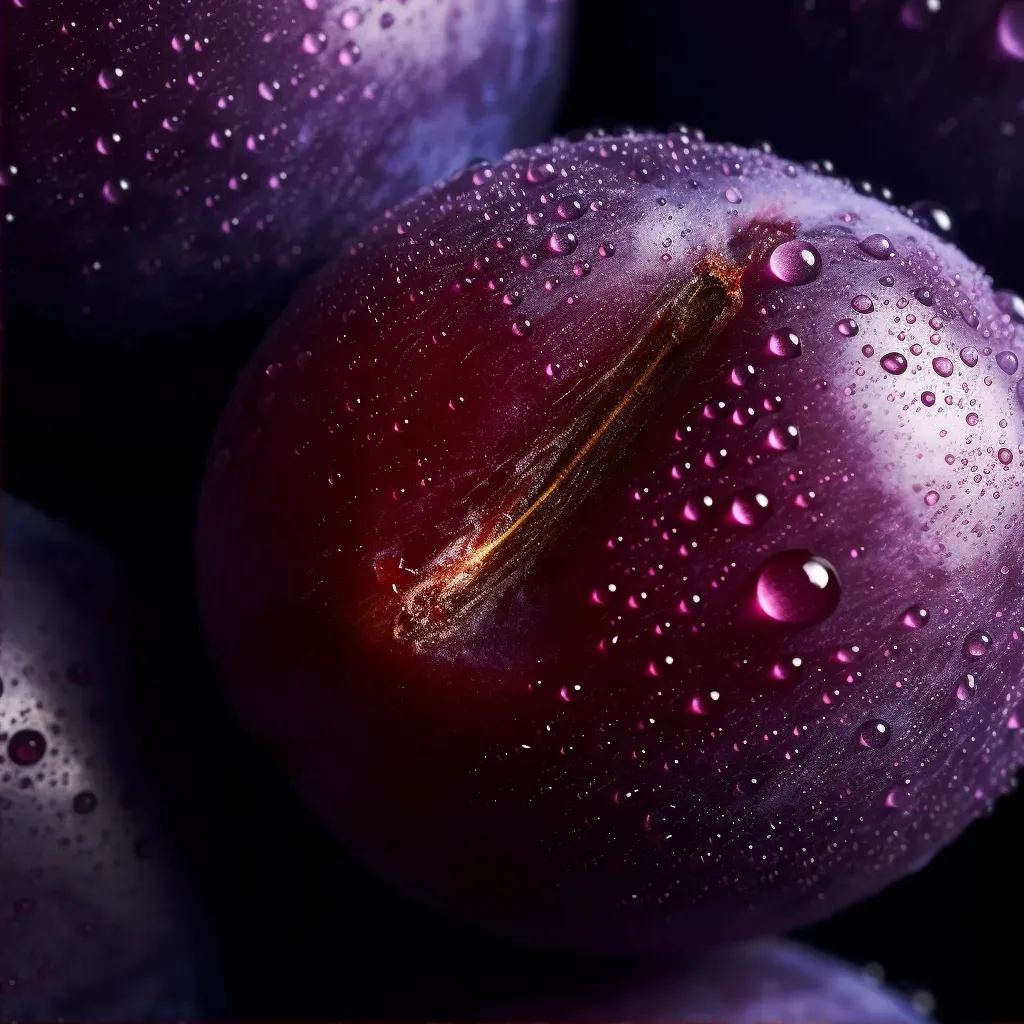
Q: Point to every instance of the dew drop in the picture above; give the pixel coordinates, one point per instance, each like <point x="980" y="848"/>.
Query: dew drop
<point x="894" y="362"/>
<point x="973" y="419"/>
<point x="934" y="217"/>
<point x="350" y="54"/>
<point x="797" y="588"/>
<point x="931" y="498"/>
<point x="928" y="398"/>
<point x="26" y="747"/>
<point x="969" y="356"/>
<point x="539" y="172"/>
<point x="967" y="686"/>
<point x="1005" y="456"/>
<point x="874" y="734"/>
<point x="977" y="645"/>
<point x="1007" y="362"/>
<point x="1010" y="29"/>
<point x="847" y="327"/>
<point x="878" y="246"/>
<point x="795" y="262"/>
<point x="862" y="304"/>
<point x="943" y="366"/>
<point x="915" y="617"/>
<point x="785" y="344"/>
<point x="562" y="241"/>
<point x="84" y="802"/>
<point x="751" y="507"/>
<point x="1011" y="304"/>
<point x="784" y="437"/>
<point x="924" y="296"/>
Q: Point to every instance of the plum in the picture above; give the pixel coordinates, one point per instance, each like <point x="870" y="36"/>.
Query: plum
<point x="921" y="96"/>
<point x="172" y="171"/>
<point x="749" y="983"/>
<point x="96" y="919"/>
<point x="625" y="540"/>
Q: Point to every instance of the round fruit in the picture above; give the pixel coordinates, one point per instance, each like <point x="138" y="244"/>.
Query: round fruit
<point x="626" y="538"/>
<point x="95" y="921"/>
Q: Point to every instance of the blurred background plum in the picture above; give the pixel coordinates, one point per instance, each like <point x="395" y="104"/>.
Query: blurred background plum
<point x="97" y="914"/>
<point x="170" y="171"/>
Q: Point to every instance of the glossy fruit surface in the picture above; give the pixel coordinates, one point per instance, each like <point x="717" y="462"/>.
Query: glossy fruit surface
<point x="171" y="171"/>
<point x="95" y="919"/>
<point x="749" y="983"/>
<point x="626" y="539"/>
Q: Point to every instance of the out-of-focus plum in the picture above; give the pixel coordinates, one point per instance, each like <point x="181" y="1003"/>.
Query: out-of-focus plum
<point x="626" y="539"/>
<point x="750" y="983"/>
<point x="925" y="97"/>
<point x="96" y="921"/>
<point x="170" y="168"/>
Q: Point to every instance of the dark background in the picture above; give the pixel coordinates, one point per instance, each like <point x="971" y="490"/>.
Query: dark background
<point x="304" y="931"/>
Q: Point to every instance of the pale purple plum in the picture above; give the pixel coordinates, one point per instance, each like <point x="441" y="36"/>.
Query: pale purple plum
<point x="96" y="917"/>
<point x="625" y="539"/>
<point x="171" y="170"/>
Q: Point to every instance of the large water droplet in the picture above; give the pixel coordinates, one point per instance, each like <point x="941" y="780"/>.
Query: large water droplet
<point x="795" y="262"/>
<point x="967" y="687"/>
<point x="915" y="617"/>
<point x="797" y="588"/>
<point x="943" y="366"/>
<point x="1007" y="362"/>
<point x="784" y="437"/>
<point x="863" y="304"/>
<point x="894" y="362"/>
<point x="969" y="356"/>
<point x="874" y="734"/>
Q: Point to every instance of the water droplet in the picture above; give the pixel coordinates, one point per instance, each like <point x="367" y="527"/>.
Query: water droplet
<point x="931" y="498"/>
<point x="1005" y="456"/>
<point x="903" y="795"/>
<point x="751" y="507"/>
<point x="26" y="747"/>
<point x="1010" y="29"/>
<point x="797" y="588"/>
<point x="785" y="344"/>
<point x="928" y="398"/>
<point x="878" y="246"/>
<point x="915" y="617"/>
<point x="874" y="734"/>
<point x="924" y="296"/>
<point x="1007" y="362"/>
<point x="934" y="217"/>
<point x="795" y="262"/>
<point x="967" y="686"/>
<point x="942" y="366"/>
<point x="522" y="328"/>
<point x="732" y="195"/>
<point x="894" y="362"/>
<point x="562" y="241"/>
<point x="539" y="172"/>
<point x="847" y="327"/>
<point x="887" y="280"/>
<point x="349" y="54"/>
<point x="784" y="437"/>
<point x="973" y="419"/>
<point x="351" y="18"/>
<point x="311" y="43"/>
<point x="108" y="79"/>
<point x="977" y="645"/>
<point x="970" y="317"/>
<point x="84" y="802"/>
<point x="570" y="209"/>
<point x="867" y="351"/>
<point x="969" y="356"/>
<point x="862" y="304"/>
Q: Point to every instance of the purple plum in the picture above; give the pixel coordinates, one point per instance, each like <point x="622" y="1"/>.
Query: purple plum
<point x="625" y="540"/>
<point x="172" y="170"/>
<point x="96" y="921"/>
<point x="751" y="983"/>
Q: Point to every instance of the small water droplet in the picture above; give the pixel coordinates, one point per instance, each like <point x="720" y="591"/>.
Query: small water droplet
<point x="924" y="296"/>
<point x="351" y="18"/>
<point x="931" y="498"/>
<point x="751" y="507"/>
<point x="878" y="246"/>
<point x="973" y="419"/>
<point x="915" y="617"/>
<point x="84" y="802"/>
<point x="795" y="262"/>
<point x="563" y="241"/>
<point x="977" y="645"/>
<point x="540" y="171"/>
<point x="784" y="437"/>
<point x="26" y="747"/>
<point x="942" y="366"/>
<point x="934" y="217"/>
<point x="894" y="362"/>
<point x="847" y="327"/>
<point x="785" y="344"/>
<point x="732" y="195"/>
<point x="874" y="734"/>
<point x="967" y="686"/>
<point x="1005" y="456"/>
<point x="928" y="398"/>
<point x="969" y="356"/>
<point x="349" y="54"/>
<point x="797" y="588"/>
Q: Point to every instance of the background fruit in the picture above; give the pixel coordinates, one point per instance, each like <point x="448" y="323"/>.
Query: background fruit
<point x="97" y="918"/>
<point x="760" y="439"/>
<point x="172" y="171"/>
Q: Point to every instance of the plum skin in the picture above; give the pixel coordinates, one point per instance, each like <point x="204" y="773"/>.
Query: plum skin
<point x="634" y="734"/>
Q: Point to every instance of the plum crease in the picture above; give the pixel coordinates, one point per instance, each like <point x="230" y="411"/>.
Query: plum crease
<point x="513" y="524"/>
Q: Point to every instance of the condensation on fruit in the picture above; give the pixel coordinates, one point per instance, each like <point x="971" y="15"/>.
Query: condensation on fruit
<point x="623" y="631"/>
